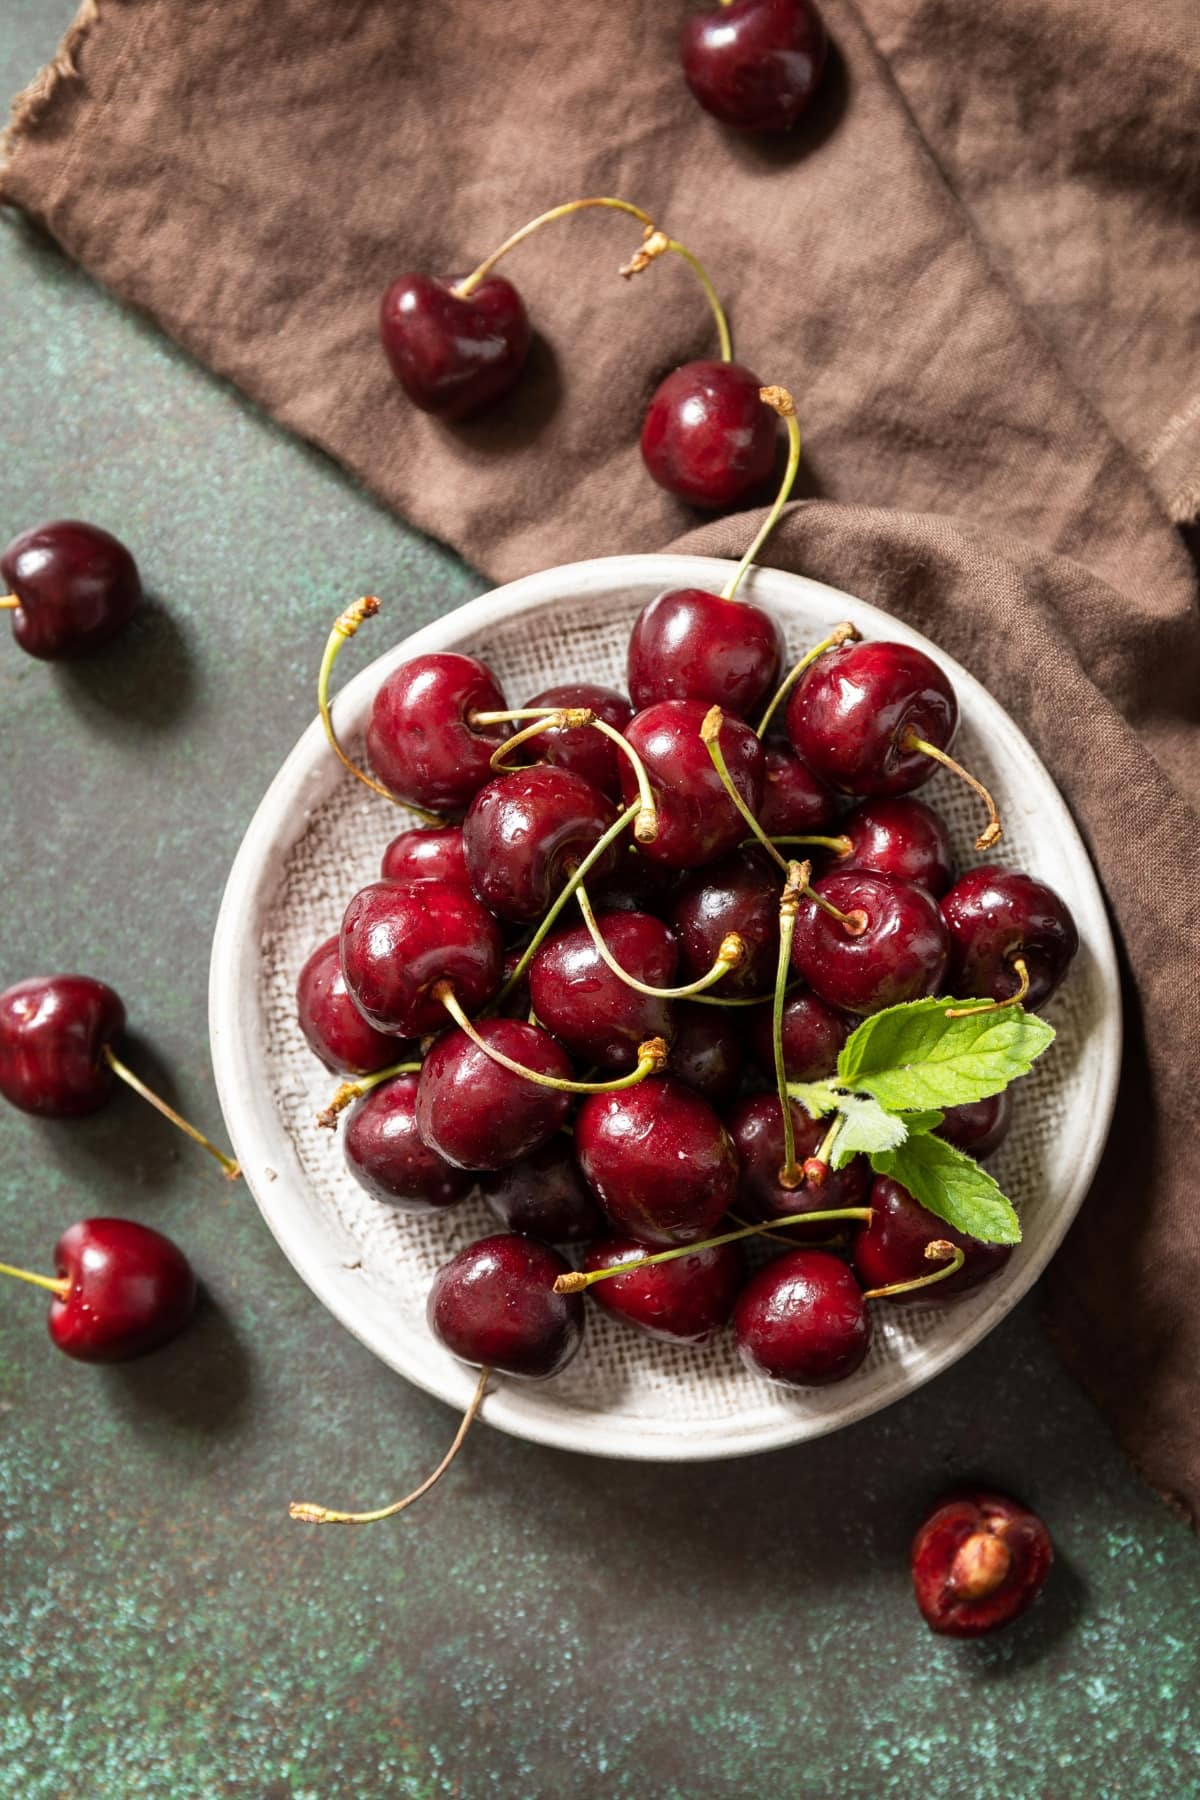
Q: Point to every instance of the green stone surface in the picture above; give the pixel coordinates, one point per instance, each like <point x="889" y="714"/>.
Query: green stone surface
<point x="546" y="1625"/>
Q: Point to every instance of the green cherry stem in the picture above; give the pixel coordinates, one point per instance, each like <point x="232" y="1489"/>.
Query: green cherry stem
<point x="993" y="831"/>
<point x="841" y="846"/>
<point x="969" y="1012"/>
<point x="343" y="629"/>
<point x="652" y="1055"/>
<point x="577" y="1280"/>
<point x="119" y="1069"/>
<point x="790" y="1175"/>
<point x="841" y="634"/>
<point x="645" y="822"/>
<point x="550" y="718"/>
<point x="60" y="1286"/>
<point x="710" y="737"/>
<point x="940" y="1250"/>
<point x="817" y="1166"/>
<point x="732" y="952"/>
<point x="785" y="406"/>
<point x="354" y="1090"/>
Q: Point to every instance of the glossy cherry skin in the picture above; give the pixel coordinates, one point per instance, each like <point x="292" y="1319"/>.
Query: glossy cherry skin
<point x="697" y="821"/>
<point x="53" y="1033"/>
<point x="78" y="586"/>
<point x="419" y="741"/>
<point x="756" y="1126"/>
<point x="454" y="357"/>
<point x="901" y="954"/>
<point x="739" y="894"/>
<point x="707" y="436"/>
<point x="801" y="1320"/>
<point x="707" y="1052"/>
<point x="581" y="748"/>
<point x="426" y="853"/>
<point x="794" y="802"/>
<point x="900" y="837"/>
<point x="978" y="1560"/>
<point x="685" y="1301"/>
<point x="980" y="1126"/>
<point x="892" y="1248"/>
<point x="479" y="1115"/>
<point x="334" y="1029"/>
<point x="524" y="834"/>
<point x="494" y="1305"/>
<point x="387" y="1156"/>
<point x="399" y="940"/>
<point x="850" y="712"/>
<point x="687" y="644"/>
<point x="813" y="1035"/>
<point x="544" y="1195"/>
<point x="755" y="64"/>
<point x="994" y="915"/>
<point x="658" y="1160"/>
<point x="596" y="1015"/>
<point x="131" y="1290"/>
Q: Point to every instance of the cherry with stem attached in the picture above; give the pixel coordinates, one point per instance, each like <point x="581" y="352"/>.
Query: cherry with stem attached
<point x="72" y="587"/>
<point x="121" y="1289"/>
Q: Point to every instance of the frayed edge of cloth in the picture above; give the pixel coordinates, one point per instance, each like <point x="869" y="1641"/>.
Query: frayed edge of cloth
<point x="33" y="101"/>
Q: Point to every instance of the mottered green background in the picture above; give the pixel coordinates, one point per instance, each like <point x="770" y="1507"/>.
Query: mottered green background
<point x="545" y="1625"/>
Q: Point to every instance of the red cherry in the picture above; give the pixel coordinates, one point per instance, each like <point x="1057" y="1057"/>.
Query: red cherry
<point x="77" y="587"/>
<point x="598" y="1017"/>
<point x="892" y="1248"/>
<point x="979" y="1126"/>
<point x="755" y="1125"/>
<point x="494" y="1305"/>
<point x="755" y="64"/>
<point x="333" y="1027"/>
<point x="54" y="1030"/>
<point x="544" y="1195"/>
<point x="419" y="739"/>
<point x="894" y="949"/>
<point x="900" y="837"/>
<point x="978" y="1560"/>
<point x="801" y="1320"/>
<point x="454" y="356"/>
<point x="687" y="644"/>
<point x="794" y="802"/>
<point x="399" y="941"/>
<point x="697" y="821"/>
<point x="387" y="1157"/>
<point x="738" y="895"/>
<point x="685" y="1301"/>
<point x="121" y="1290"/>
<point x="426" y="853"/>
<point x="658" y="1160"/>
<point x="707" y="436"/>
<point x="813" y="1035"/>
<point x="581" y="748"/>
<point x="707" y="1052"/>
<point x="479" y="1115"/>
<point x="524" y="834"/>
<point x="852" y="712"/>
<point x="999" y="916"/>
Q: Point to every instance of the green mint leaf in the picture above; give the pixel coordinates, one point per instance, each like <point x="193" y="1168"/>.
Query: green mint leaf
<point x="912" y="1057"/>
<point x="918" y="1123"/>
<point x="952" y="1186"/>
<point x="865" y="1127"/>
<point x="816" y="1097"/>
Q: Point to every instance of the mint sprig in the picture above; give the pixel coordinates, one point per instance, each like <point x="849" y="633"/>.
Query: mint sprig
<point x="951" y="1184"/>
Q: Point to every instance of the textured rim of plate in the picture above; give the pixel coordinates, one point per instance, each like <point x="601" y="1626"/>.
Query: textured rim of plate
<point x="316" y="1244"/>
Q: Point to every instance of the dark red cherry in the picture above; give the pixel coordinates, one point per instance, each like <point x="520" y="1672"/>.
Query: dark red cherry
<point x="739" y="894"/>
<point x="419" y="739"/>
<point x="685" y="1301"/>
<point x="978" y="1127"/>
<point x="54" y="1030"/>
<point x="707" y="1052"/>
<point x="335" y="1030"/>
<point x="581" y="748"/>
<point x="756" y="1126"/>
<point x="494" y="1305"/>
<point x="399" y="940"/>
<point x="997" y="915"/>
<point x="707" y="436"/>
<point x="697" y="821"/>
<point x="479" y="1115"/>
<point x="687" y="644"/>
<point x="892" y="1248"/>
<point x="639" y="884"/>
<point x="386" y="1155"/>
<point x="813" y="1035"/>
<point x="794" y="802"/>
<point x="755" y="64"/>
<point x="129" y="1290"/>
<point x="900" y="837"/>
<point x="454" y="356"/>
<point x="978" y="1560"/>
<point x="525" y="833"/>
<point x="77" y="586"/>
<point x="801" y="1320"/>
<point x="852" y="712"/>
<point x="598" y="1017"/>
<point x="426" y="853"/>
<point x="658" y="1160"/>
<point x="516" y="1004"/>
<point x="544" y="1195"/>
<point x="895" y="947"/>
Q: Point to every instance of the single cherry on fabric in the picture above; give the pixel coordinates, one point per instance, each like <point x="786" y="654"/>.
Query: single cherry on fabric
<point x="454" y="354"/>
<point x="978" y="1560"/>
<point x="400" y="940"/>
<point x="802" y="1320"/>
<point x="755" y="64"/>
<point x="707" y="436"/>
<point x="525" y="833"/>
<point x="891" y="1249"/>
<point x="120" y="1289"/>
<point x="420" y="739"/>
<point x="658" y="1160"/>
<point x="333" y="1027"/>
<point x="697" y="820"/>
<point x="1011" y="936"/>
<point x="71" y="587"/>
<point x="864" y="942"/>
<point x="686" y="1301"/>
<point x="387" y="1156"/>
<point x="479" y="1115"/>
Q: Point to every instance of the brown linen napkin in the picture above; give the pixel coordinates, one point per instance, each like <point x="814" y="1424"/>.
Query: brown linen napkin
<point x="975" y="267"/>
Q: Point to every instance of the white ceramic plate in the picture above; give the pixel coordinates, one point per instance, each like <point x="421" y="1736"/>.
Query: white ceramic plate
<point x="318" y="835"/>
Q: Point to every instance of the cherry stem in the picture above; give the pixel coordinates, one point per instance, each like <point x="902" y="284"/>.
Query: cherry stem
<point x="652" y="1055"/>
<point x="990" y="1006"/>
<point x="8" y="602"/>
<point x="825" y="1147"/>
<point x="344" y="628"/>
<point x="324" y="1515"/>
<point x="577" y="1280"/>
<point x="566" y="718"/>
<point x="785" y="406"/>
<point x="710" y="737"/>
<point x="993" y="831"/>
<point x="743" y="1000"/>
<point x="354" y="1090"/>
<point x="841" y="634"/>
<point x="855" y="921"/>
<point x="841" y="846"/>
<point x="789" y="1175"/>
<point x="232" y="1169"/>
<point x="732" y="952"/>
<point x="939" y="1250"/>
<point x="551" y="719"/>
<point x="654" y="243"/>
<point x="61" y="1287"/>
